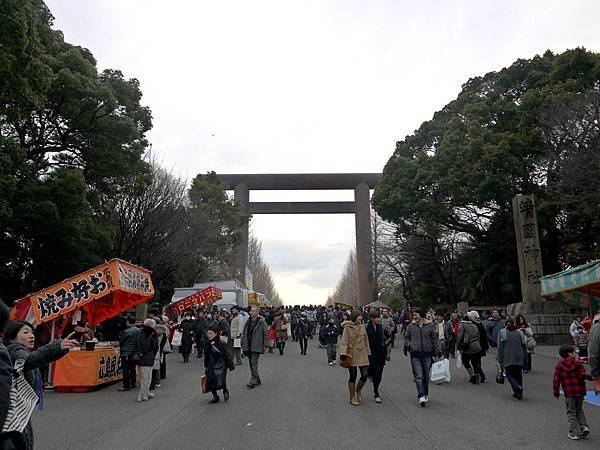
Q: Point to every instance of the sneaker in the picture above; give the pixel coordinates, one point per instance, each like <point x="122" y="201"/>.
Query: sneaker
<point x="157" y="385"/>
<point x="139" y="399"/>
<point x="585" y="431"/>
<point x="378" y="399"/>
<point x="226" y="395"/>
<point x="422" y="401"/>
<point x="123" y="389"/>
<point x="150" y="395"/>
<point x="144" y="398"/>
<point x="330" y="363"/>
<point x="426" y="399"/>
<point x="573" y="436"/>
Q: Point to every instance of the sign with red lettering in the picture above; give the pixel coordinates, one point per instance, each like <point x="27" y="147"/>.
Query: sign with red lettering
<point x="204" y="297"/>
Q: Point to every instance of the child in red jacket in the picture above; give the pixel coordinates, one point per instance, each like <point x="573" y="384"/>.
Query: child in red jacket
<point x="571" y="375"/>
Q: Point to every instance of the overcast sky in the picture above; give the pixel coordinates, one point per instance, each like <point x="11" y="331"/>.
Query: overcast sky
<point x="308" y="86"/>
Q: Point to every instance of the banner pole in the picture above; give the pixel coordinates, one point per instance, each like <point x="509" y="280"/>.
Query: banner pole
<point x="51" y="365"/>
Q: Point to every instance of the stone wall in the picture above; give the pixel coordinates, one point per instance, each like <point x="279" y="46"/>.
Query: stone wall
<point x="550" y="321"/>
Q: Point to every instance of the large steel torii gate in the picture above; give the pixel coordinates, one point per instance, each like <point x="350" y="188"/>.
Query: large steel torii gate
<point x="361" y="183"/>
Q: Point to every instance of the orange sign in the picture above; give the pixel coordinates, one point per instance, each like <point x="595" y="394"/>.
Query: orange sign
<point x="89" y="286"/>
<point x="82" y="368"/>
<point x="204" y="297"/>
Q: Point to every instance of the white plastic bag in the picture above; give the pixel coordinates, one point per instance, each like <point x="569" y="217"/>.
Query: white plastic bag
<point x="458" y="360"/>
<point x="440" y="371"/>
<point x="176" y="342"/>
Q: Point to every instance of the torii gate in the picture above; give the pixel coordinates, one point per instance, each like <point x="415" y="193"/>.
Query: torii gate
<point x="361" y="183"/>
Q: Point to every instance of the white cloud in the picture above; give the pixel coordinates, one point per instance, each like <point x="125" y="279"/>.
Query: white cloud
<point x="308" y="86"/>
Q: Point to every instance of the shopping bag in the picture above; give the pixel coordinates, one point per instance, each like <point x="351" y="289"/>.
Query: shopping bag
<point x="458" y="360"/>
<point x="203" y="388"/>
<point x="176" y="342"/>
<point x="237" y="343"/>
<point x="440" y="371"/>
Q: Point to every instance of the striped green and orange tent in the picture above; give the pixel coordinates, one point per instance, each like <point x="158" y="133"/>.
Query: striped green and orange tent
<point x="578" y="286"/>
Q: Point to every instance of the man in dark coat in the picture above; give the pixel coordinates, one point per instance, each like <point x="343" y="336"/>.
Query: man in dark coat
<point x="187" y="328"/>
<point x="128" y="347"/>
<point x="254" y="341"/>
<point x="200" y="327"/>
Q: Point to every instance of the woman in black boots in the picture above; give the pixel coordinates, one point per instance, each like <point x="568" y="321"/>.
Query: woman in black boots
<point x="216" y="361"/>
<point x="378" y="336"/>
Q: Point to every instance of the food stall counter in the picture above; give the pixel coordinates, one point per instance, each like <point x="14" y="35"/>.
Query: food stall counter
<point x="82" y="371"/>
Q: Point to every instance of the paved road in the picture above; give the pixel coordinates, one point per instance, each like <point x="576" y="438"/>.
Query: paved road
<point x="303" y="404"/>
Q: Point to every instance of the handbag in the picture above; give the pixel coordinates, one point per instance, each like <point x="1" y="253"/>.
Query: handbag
<point x="499" y="377"/>
<point x="237" y="343"/>
<point x="346" y="363"/>
<point x="224" y="339"/>
<point x="203" y="387"/>
<point x="177" y="336"/>
<point x="530" y="344"/>
<point x="22" y="401"/>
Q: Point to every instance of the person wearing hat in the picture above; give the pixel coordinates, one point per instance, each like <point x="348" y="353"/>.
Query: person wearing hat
<point x="147" y="348"/>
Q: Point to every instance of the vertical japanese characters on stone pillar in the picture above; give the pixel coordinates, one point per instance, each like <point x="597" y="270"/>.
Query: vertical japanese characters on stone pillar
<point x="364" y="263"/>
<point x="241" y="196"/>
<point x="528" y="247"/>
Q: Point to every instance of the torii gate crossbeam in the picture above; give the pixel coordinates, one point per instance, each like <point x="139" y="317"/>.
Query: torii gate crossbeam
<point x="361" y="183"/>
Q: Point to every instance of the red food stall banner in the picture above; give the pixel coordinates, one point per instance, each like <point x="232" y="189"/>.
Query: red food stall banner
<point x="110" y="278"/>
<point x="204" y="297"/>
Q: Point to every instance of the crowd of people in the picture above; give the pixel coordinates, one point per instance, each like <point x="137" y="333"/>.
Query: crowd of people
<point x="363" y="339"/>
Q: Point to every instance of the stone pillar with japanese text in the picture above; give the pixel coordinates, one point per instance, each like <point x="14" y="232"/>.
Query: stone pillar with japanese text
<point x="528" y="248"/>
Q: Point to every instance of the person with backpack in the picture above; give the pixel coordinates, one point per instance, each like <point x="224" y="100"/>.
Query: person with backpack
<point x="512" y="356"/>
<point x="483" y="340"/>
<point x="467" y="341"/>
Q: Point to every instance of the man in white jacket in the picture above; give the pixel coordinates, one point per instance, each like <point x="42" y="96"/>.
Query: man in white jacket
<point x="237" y="329"/>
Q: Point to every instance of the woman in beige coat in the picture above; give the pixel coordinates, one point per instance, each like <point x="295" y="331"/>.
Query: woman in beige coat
<point x="355" y="342"/>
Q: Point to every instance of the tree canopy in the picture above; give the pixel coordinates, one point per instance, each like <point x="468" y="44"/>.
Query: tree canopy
<point x="524" y="129"/>
<point x="74" y="187"/>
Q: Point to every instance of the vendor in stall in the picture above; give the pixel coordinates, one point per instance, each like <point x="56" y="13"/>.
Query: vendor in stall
<point x="81" y="332"/>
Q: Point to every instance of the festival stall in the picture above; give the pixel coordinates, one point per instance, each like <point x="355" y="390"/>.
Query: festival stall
<point x="578" y="286"/>
<point x="97" y="295"/>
